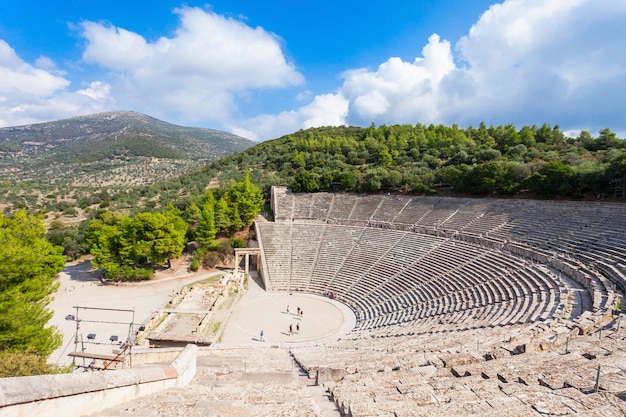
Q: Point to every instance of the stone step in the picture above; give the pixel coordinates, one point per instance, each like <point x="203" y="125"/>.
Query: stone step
<point x="326" y="405"/>
<point x="236" y="382"/>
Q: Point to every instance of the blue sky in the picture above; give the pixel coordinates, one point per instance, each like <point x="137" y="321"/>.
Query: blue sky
<point x="265" y="69"/>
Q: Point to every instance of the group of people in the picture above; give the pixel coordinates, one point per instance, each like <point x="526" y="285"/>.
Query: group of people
<point x="291" y="328"/>
<point x="300" y="315"/>
<point x="300" y="312"/>
<point x="330" y="294"/>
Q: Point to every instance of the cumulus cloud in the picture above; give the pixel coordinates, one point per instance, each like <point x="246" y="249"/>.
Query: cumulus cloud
<point x="19" y="77"/>
<point x="324" y="110"/>
<point x="97" y="90"/>
<point x="523" y="61"/>
<point x="46" y="63"/>
<point x="555" y="61"/>
<point x="197" y="72"/>
<point x="398" y="90"/>
<point x="395" y="93"/>
<point x="35" y="93"/>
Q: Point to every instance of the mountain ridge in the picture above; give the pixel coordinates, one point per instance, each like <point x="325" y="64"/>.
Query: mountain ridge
<point x="115" y="125"/>
<point x="65" y="149"/>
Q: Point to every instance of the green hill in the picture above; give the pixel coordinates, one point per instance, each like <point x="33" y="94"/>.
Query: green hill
<point x="495" y="160"/>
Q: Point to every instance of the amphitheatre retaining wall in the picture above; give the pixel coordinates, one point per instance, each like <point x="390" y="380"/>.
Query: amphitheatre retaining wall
<point x="263" y="271"/>
<point x="88" y="392"/>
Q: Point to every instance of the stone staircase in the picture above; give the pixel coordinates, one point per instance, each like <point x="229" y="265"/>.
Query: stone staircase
<point x="237" y="382"/>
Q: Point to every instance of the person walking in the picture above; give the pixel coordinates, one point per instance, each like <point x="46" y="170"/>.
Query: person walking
<point x="290" y="329"/>
<point x="262" y="340"/>
<point x="297" y="327"/>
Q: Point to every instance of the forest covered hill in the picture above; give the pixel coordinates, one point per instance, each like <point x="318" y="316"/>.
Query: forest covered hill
<point x="530" y="162"/>
<point x="495" y="160"/>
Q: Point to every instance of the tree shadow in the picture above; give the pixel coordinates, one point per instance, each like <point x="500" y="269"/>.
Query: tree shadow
<point x="83" y="272"/>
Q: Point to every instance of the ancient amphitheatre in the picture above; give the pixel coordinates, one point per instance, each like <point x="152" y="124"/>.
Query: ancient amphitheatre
<point x="451" y="306"/>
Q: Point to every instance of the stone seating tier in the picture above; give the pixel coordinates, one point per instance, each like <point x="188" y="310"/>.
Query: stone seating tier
<point x="464" y="306"/>
<point x="390" y="277"/>
<point x="588" y="230"/>
<point x="484" y="376"/>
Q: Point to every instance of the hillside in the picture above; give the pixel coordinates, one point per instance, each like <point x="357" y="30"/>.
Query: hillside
<point x="143" y="172"/>
<point x="107" y="149"/>
<point x="531" y="161"/>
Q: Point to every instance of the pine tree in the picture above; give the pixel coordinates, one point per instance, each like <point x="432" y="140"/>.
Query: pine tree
<point x="223" y="213"/>
<point x="248" y="199"/>
<point x="28" y="266"/>
<point x="206" y="231"/>
<point x="192" y="217"/>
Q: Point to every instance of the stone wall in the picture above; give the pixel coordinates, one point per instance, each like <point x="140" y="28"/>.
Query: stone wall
<point x="145" y="356"/>
<point x="83" y="393"/>
<point x="262" y="267"/>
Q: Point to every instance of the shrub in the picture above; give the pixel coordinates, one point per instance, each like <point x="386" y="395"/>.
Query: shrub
<point x="195" y="265"/>
<point x="14" y="364"/>
<point x="237" y="242"/>
<point x="70" y="211"/>
<point x="224" y="249"/>
<point x="128" y="273"/>
<point x="199" y="253"/>
<point x="210" y="260"/>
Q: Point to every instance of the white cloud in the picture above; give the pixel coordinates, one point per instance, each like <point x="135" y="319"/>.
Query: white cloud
<point x="244" y="133"/>
<point x="36" y="93"/>
<point x="197" y="72"/>
<point x="371" y="105"/>
<point x="394" y="92"/>
<point x="398" y="90"/>
<point x="114" y="48"/>
<point x="20" y="78"/>
<point x="47" y="64"/>
<point x="324" y="110"/>
<point x="555" y="61"/>
<point x="97" y="90"/>
<point x="304" y="96"/>
<point x="523" y="61"/>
